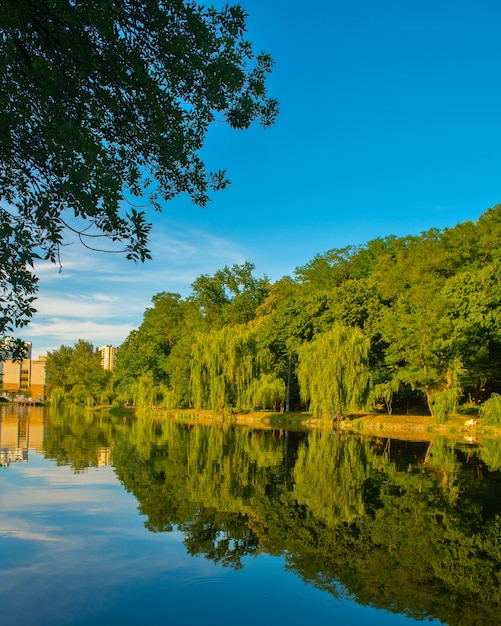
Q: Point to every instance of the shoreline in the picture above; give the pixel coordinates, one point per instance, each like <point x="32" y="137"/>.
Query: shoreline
<point x="411" y="427"/>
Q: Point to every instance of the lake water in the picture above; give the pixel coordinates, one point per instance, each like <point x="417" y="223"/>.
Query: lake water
<point x="113" y="520"/>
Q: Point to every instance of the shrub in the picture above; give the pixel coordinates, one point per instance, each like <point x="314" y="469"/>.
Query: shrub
<point x="490" y="410"/>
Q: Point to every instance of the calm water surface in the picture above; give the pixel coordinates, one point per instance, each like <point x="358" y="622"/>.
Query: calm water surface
<point x="113" y="520"/>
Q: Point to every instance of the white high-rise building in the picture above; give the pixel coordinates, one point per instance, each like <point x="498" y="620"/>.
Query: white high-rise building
<point x="108" y="355"/>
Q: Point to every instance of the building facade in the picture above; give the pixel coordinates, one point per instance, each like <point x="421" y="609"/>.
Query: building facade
<point x="108" y="355"/>
<point x="26" y="377"/>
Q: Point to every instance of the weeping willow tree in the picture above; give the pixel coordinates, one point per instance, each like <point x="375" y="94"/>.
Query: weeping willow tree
<point x="333" y="371"/>
<point x="491" y="410"/>
<point x="385" y="392"/>
<point x="225" y="365"/>
<point x="266" y="392"/>
<point x="447" y="393"/>
<point x="143" y="391"/>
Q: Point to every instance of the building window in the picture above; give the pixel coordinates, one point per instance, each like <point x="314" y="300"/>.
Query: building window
<point x="24" y="382"/>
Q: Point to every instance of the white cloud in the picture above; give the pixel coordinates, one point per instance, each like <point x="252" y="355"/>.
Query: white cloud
<point x="50" y="335"/>
<point x="82" y="306"/>
<point x="102" y="297"/>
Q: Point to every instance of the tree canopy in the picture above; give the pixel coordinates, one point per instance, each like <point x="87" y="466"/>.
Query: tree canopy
<point x="75" y="374"/>
<point x="402" y="323"/>
<point x="103" y="103"/>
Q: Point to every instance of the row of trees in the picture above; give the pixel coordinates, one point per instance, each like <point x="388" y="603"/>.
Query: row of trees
<point x="398" y="322"/>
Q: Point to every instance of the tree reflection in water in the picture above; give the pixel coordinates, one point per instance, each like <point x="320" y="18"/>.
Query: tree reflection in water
<point x="411" y="527"/>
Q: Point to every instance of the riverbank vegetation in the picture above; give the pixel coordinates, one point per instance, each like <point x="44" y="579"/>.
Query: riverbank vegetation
<point x="398" y="325"/>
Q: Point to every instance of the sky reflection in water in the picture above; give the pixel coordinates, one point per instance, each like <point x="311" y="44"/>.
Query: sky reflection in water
<point x="74" y="550"/>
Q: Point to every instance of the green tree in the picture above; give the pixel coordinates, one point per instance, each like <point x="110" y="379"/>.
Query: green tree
<point x="103" y="103"/>
<point x="474" y="311"/>
<point x="295" y="316"/>
<point x="58" y="367"/>
<point x="491" y="410"/>
<point x="333" y="371"/>
<point x="77" y="373"/>
<point x="160" y="346"/>
<point x="327" y="270"/>
<point x="267" y="391"/>
<point x="163" y="320"/>
<point x="225" y="366"/>
<point x="419" y="351"/>
<point x="141" y="352"/>
<point x="429" y="306"/>
<point x="231" y="296"/>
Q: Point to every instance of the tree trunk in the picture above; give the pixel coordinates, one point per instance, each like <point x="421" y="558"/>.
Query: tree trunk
<point x="289" y="377"/>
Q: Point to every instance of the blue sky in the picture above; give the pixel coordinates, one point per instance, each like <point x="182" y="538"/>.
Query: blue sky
<point x="389" y="124"/>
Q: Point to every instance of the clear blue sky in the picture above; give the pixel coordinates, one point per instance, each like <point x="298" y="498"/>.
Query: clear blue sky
<point x="389" y="124"/>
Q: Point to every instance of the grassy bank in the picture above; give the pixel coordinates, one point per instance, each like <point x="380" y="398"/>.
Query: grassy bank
<point x="416" y="427"/>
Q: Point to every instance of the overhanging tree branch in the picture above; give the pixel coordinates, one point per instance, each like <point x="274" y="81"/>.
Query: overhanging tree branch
<point x="108" y="101"/>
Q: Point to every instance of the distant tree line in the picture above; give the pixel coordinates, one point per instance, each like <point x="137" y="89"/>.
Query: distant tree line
<point x="398" y="323"/>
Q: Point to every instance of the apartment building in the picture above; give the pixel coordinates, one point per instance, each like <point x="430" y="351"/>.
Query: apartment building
<point x="108" y="355"/>
<point x="25" y="377"/>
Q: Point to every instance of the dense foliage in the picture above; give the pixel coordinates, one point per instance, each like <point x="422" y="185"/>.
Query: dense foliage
<point x="75" y="375"/>
<point x="102" y="103"/>
<point x="412" y="323"/>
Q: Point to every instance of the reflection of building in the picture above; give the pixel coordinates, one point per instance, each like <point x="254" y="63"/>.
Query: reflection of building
<point x="20" y="430"/>
<point x="26" y="376"/>
<point x="108" y="355"/>
<point x="13" y="455"/>
<point x="103" y="457"/>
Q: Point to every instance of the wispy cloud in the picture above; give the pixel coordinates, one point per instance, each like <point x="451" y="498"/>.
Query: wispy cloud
<point x="50" y="335"/>
<point x="18" y="532"/>
<point x="80" y="306"/>
<point x="102" y="297"/>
